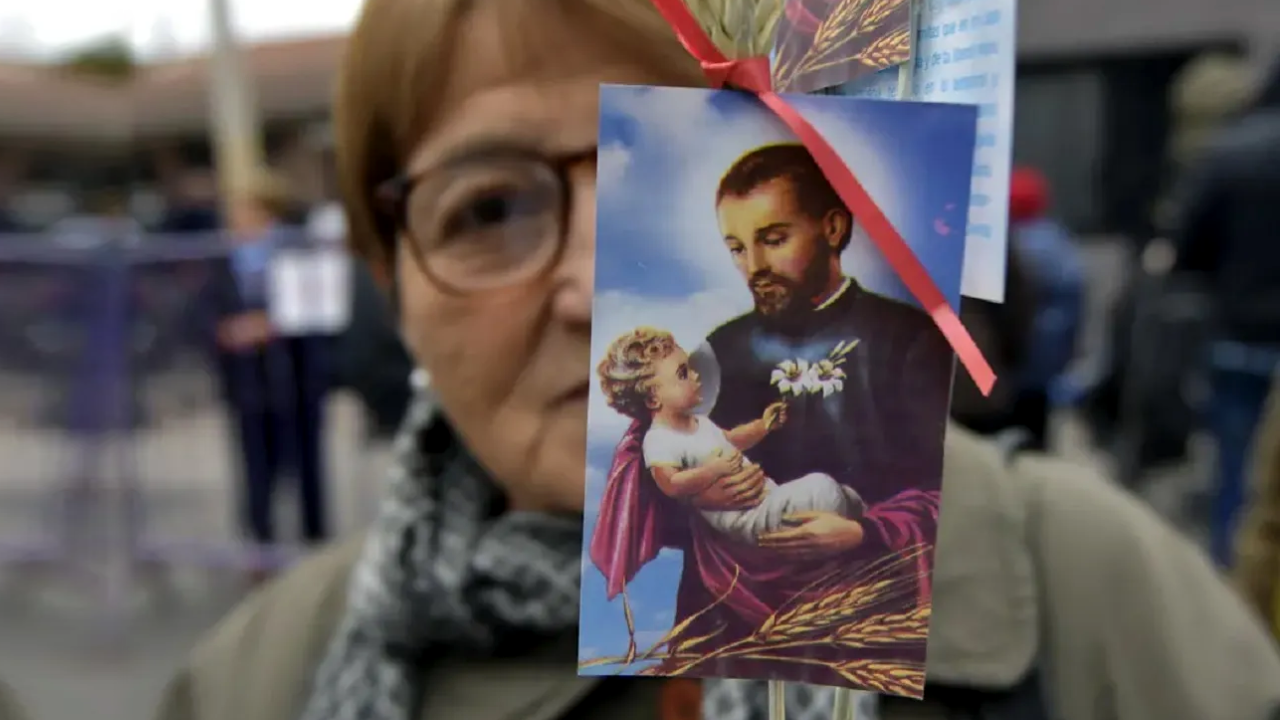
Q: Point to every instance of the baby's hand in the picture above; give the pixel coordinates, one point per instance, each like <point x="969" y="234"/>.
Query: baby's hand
<point x="724" y="463"/>
<point x="775" y="415"/>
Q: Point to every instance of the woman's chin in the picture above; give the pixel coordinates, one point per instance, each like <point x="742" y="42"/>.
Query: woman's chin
<point x="566" y="472"/>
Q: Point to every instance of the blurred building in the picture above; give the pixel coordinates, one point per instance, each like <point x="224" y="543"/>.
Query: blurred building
<point x="63" y="137"/>
<point x="57" y="134"/>
<point x="293" y="80"/>
<point x="1099" y="108"/>
<point x="1109" y="100"/>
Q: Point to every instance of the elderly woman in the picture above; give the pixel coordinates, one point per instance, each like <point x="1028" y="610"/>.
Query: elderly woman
<point x="466" y="140"/>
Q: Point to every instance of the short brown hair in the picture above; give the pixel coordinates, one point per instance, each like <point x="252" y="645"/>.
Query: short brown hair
<point x="400" y="55"/>
<point x="626" y="372"/>
<point x="792" y="161"/>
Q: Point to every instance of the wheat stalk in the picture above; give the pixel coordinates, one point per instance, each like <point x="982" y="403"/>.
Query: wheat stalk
<point x="845" y="20"/>
<point x="877" y="11"/>
<point x="840" y="30"/>
<point x="670" y="639"/>
<point x="848" y="21"/>
<point x="887" y="50"/>
<point x="819" y="622"/>
<point x="886" y="629"/>
<point x="878" y="583"/>
<point x="740" y="28"/>
<point x="631" y="628"/>
<point x="829" y="30"/>
<point x="884" y="676"/>
<point x="836" y="611"/>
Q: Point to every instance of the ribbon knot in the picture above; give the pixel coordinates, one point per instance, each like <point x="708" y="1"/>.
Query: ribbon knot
<point x="753" y="75"/>
<point x="750" y="74"/>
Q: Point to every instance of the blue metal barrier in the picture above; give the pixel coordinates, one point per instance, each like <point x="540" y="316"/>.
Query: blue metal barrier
<point x="47" y="300"/>
<point x="108" y="380"/>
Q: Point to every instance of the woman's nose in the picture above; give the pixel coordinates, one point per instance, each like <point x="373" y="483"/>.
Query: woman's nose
<point x="576" y="272"/>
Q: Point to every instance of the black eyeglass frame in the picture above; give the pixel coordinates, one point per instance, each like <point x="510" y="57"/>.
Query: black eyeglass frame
<point x="392" y="198"/>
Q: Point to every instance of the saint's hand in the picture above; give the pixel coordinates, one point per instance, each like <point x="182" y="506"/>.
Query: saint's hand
<point x="724" y="463"/>
<point x="775" y="415"/>
<point x="739" y="491"/>
<point x="815" y="533"/>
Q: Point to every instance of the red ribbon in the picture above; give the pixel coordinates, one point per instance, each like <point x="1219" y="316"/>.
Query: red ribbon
<point x="753" y="75"/>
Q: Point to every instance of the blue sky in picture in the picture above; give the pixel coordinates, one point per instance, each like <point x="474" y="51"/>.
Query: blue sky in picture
<point x="660" y="260"/>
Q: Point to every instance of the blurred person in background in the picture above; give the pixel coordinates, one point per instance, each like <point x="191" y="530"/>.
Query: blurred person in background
<point x="1257" y="562"/>
<point x="1138" y="413"/>
<point x="1003" y="332"/>
<point x="274" y="385"/>
<point x="370" y="357"/>
<point x="192" y="206"/>
<point x="1228" y="211"/>
<point x="327" y="223"/>
<point x="1030" y="338"/>
<point x="466" y="139"/>
<point x="105" y="220"/>
<point x="1047" y="253"/>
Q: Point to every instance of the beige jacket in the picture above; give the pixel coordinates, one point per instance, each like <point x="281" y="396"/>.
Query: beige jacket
<point x="10" y="709"/>
<point x="1039" y="565"/>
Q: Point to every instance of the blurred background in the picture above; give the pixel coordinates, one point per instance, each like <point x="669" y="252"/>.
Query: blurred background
<point x="127" y="455"/>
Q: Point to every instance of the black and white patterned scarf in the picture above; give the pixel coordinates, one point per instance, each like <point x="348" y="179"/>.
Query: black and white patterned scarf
<point x="444" y="570"/>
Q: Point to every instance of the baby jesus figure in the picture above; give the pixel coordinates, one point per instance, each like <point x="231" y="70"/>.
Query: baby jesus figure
<point x="646" y="376"/>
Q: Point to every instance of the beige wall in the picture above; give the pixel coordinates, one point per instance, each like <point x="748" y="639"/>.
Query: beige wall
<point x="1088" y="27"/>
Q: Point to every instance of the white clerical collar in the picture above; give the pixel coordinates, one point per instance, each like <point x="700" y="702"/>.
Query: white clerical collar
<point x="844" y="287"/>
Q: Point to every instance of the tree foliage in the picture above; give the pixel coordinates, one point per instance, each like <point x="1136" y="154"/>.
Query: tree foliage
<point x="110" y="58"/>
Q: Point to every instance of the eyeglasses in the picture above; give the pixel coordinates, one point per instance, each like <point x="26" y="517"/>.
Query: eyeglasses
<point x="493" y="219"/>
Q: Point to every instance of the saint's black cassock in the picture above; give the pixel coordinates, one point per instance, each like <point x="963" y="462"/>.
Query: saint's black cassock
<point x="882" y="433"/>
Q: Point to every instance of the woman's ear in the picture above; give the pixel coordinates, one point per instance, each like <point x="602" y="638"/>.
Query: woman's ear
<point x="836" y="226"/>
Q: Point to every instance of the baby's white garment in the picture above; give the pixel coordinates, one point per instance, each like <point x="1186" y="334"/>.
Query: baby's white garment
<point x="812" y="493"/>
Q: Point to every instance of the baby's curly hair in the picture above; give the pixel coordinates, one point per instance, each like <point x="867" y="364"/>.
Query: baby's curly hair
<point x="626" y="372"/>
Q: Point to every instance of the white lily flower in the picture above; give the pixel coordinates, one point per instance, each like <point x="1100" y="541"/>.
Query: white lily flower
<point x="792" y="377"/>
<point x="826" y="378"/>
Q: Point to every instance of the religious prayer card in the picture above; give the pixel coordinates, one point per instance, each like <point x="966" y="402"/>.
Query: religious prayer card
<point x="966" y="52"/>
<point x="309" y="291"/>
<point x="823" y="43"/>
<point x="767" y="414"/>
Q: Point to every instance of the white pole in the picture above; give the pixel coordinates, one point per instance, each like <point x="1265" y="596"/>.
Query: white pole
<point x="777" y="700"/>
<point x="235" y="124"/>
<point x="846" y="705"/>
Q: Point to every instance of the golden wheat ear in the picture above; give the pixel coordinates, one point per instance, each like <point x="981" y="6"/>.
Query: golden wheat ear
<point x="740" y="28"/>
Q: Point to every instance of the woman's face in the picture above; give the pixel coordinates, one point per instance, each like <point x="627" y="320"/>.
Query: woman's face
<point x="511" y="366"/>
